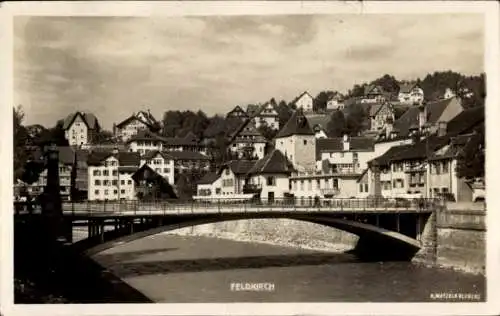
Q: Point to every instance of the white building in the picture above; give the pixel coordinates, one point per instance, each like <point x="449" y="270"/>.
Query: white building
<point x="271" y="176"/>
<point x="297" y="141"/>
<point x="146" y="141"/>
<point x="344" y="154"/>
<point x="448" y="94"/>
<point x="304" y="101"/>
<point x="335" y="102"/>
<point x="308" y="185"/>
<point x="411" y="94"/>
<point x="267" y="115"/>
<point x="229" y="182"/>
<point x="374" y="94"/>
<point x="110" y="175"/>
<point x="134" y="124"/>
<point x="161" y="163"/>
<point x="80" y="128"/>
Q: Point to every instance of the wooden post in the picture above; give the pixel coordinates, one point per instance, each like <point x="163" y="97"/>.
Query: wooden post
<point x="418" y="233"/>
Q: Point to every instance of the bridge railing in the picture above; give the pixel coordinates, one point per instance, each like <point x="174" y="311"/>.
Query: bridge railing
<point x="130" y="207"/>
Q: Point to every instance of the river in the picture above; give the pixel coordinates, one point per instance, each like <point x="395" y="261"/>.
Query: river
<point x="170" y="268"/>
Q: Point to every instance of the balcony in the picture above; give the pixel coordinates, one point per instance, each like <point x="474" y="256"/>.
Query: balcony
<point x="251" y="188"/>
<point x="329" y="191"/>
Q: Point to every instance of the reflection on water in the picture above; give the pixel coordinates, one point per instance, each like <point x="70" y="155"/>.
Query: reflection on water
<point x="170" y="268"/>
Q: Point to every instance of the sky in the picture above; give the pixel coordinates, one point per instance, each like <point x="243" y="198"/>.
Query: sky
<point x="113" y="66"/>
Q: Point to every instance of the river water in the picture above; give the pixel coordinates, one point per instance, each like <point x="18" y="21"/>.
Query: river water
<point x="186" y="269"/>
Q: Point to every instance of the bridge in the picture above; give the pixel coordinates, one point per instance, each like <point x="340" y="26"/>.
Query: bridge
<point x="393" y="225"/>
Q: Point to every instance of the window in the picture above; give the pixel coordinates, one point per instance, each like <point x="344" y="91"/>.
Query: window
<point x="366" y="187"/>
<point x="227" y="171"/>
<point x="361" y="187"/>
<point x="97" y="182"/>
<point x="438" y="169"/>
<point x="309" y="185"/>
<point x="129" y="181"/>
<point x="444" y="190"/>
<point x="105" y="182"/>
<point x="271" y="181"/>
<point x="394" y="183"/>
<point x="302" y="185"/>
<point x="122" y="182"/>
<point x="96" y="192"/>
<point x="97" y="172"/>
<point x="115" y="172"/>
<point x="217" y="191"/>
<point x="305" y="142"/>
<point x="355" y="156"/>
<point x="115" y="191"/>
<point x="115" y="182"/>
<point x="336" y="184"/>
<point x="445" y="167"/>
<point x="105" y="192"/>
<point x="317" y="184"/>
<point x="165" y="170"/>
<point x="105" y="173"/>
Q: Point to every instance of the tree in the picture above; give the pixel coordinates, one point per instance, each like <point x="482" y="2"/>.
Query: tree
<point x="357" y="90"/>
<point x="266" y="131"/>
<point x="21" y="138"/>
<point x="336" y="125"/>
<point x="472" y="158"/>
<point x="321" y="100"/>
<point x="356" y="118"/>
<point x="284" y="113"/>
<point x="388" y="83"/>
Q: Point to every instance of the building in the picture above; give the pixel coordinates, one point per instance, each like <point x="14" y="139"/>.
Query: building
<point x="374" y="94"/>
<point x="230" y="181"/>
<point x="428" y="116"/>
<point x="297" y="142"/>
<point x="335" y="102"/>
<point x="188" y="161"/>
<point x="319" y="124"/>
<point x="270" y="175"/>
<point x="237" y="112"/>
<point x="80" y="128"/>
<point x="266" y="115"/>
<point x="110" y="175"/>
<point x="306" y="186"/>
<point x="442" y="172"/>
<point x="304" y="101"/>
<point x="411" y="94"/>
<point x="248" y="142"/>
<point x="134" y="124"/>
<point x="380" y="114"/>
<point x="344" y="154"/>
<point x="67" y="160"/>
<point x="145" y="142"/>
<point x="150" y="185"/>
<point x="161" y="163"/>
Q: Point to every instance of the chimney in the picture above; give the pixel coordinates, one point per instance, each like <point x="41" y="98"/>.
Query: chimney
<point x="345" y="142"/>
<point x="441" y="128"/>
<point x="422" y="116"/>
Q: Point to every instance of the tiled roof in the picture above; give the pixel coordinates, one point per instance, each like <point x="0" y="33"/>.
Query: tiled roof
<point x="185" y="155"/>
<point x="466" y="120"/>
<point x="247" y="129"/>
<point x="209" y="178"/>
<point x="410" y="118"/>
<point x="151" y="154"/>
<point x="385" y="159"/>
<point x="124" y="158"/>
<point x="296" y="125"/>
<point x="237" y="110"/>
<point x="458" y="145"/>
<point x="370" y="88"/>
<point x="274" y="162"/>
<point x="335" y="144"/>
<point x="300" y="96"/>
<point x="407" y="87"/>
<point x="321" y="120"/>
<point x="89" y="119"/>
<point x="375" y="107"/>
<point x="239" y="167"/>
<point x="130" y="169"/>
<point x="423" y="148"/>
<point x="172" y="141"/>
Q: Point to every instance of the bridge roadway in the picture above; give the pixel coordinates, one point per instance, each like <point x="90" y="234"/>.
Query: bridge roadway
<point x="141" y="209"/>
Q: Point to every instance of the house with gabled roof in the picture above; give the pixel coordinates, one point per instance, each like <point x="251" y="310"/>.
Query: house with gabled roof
<point x="230" y="181"/>
<point x="374" y="93"/>
<point x="80" y="128"/>
<point x="266" y="115"/>
<point x="411" y="94"/>
<point x="304" y="101"/>
<point x="247" y="141"/>
<point x="271" y="176"/>
<point x="150" y="185"/>
<point x="135" y="123"/>
<point x="335" y="102"/>
<point x="110" y="175"/>
<point x="297" y="141"/>
<point x="161" y="163"/>
<point x="379" y="115"/>
<point x="237" y="112"/>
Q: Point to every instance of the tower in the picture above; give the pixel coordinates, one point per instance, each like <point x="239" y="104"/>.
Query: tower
<point x="297" y="142"/>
